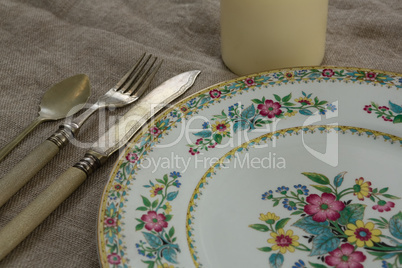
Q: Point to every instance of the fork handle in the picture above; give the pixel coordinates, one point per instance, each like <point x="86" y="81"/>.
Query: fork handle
<point x="37" y="211"/>
<point x="22" y="172"/>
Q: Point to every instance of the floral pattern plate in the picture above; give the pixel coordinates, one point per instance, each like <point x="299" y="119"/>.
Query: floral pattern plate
<point x="316" y="183"/>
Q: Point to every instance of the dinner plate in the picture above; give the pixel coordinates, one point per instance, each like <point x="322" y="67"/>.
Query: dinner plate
<point x="289" y="168"/>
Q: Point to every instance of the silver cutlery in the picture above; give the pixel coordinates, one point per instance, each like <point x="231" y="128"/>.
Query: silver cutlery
<point x="114" y="139"/>
<point x="130" y="87"/>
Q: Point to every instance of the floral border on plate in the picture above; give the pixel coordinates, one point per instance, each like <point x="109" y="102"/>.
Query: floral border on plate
<point x="111" y="247"/>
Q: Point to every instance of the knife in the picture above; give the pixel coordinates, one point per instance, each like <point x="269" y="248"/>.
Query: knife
<point x="114" y="139"/>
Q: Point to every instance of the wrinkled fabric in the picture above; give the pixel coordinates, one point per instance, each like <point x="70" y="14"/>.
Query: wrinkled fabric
<point x="43" y="42"/>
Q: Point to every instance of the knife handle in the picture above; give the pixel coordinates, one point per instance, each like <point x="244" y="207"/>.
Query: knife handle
<point x="37" y="211"/>
<point x="22" y="172"/>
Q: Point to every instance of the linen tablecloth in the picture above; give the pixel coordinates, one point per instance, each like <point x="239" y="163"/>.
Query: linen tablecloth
<point x="43" y="42"/>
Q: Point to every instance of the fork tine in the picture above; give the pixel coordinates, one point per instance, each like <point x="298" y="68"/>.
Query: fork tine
<point x="144" y="86"/>
<point x="134" y="74"/>
<point x="127" y="75"/>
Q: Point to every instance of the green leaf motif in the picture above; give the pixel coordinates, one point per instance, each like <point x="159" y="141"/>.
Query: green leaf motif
<point x="218" y="138"/>
<point x="287" y="98"/>
<point x="395" y="225"/>
<point x="281" y="223"/>
<point x="317" y="265"/>
<point x="146" y="201"/>
<point x="316" y="177"/>
<point x="321" y="188"/>
<point x="259" y="227"/>
<point x="398" y="119"/>
<point x="351" y="213"/>
<point x="265" y="249"/>
<point x="139" y="226"/>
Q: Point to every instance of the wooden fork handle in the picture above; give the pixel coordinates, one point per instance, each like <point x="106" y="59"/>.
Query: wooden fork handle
<point x="22" y="172"/>
<point x="37" y="211"/>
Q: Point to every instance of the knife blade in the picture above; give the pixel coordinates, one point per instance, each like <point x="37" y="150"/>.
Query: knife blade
<point x="114" y="139"/>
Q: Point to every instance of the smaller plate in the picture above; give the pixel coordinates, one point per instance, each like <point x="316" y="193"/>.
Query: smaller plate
<point x="313" y="195"/>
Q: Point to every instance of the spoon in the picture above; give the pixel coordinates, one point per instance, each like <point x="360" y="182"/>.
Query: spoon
<point x="61" y="100"/>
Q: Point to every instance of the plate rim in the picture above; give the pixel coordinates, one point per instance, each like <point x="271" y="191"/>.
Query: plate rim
<point x="102" y="256"/>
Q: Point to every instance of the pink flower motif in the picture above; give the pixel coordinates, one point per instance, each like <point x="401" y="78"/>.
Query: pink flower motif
<point x="113" y="258"/>
<point x="212" y="145"/>
<point x="345" y="257"/>
<point x="324" y="207"/>
<point x="383" y="108"/>
<point x="384" y="206"/>
<point x="368" y="108"/>
<point x="193" y="152"/>
<point x="270" y="109"/>
<point x="132" y="157"/>
<point x="328" y="72"/>
<point x="371" y="76"/>
<point x="249" y="81"/>
<point x="155" y="131"/>
<point x="215" y="93"/>
<point x="386" y="119"/>
<point x="154" y="221"/>
<point x="110" y="222"/>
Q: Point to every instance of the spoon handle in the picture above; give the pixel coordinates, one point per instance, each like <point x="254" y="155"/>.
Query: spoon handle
<point x="22" y="172"/>
<point x="10" y="146"/>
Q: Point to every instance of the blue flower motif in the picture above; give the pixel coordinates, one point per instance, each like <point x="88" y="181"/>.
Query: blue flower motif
<point x="137" y="245"/>
<point x="299" y="264"/>
<point x="282" y="189"/>
<point x="384" y="264"/>
<point x="173" y="114"/>
<point x="289" y="205"/>
<point x="192" y="101"/>
<point x="301" y="72"/>
<point x="277" y="75"/>
<point x="175" y="174"/>
<point x="231" y="108"/>
<point x="331" y="107"/>
<point x="267" y="195"/>
<point x="141" y="252"/>
<point x="150" y="256"/>
<point x="322" y="112"/>
<point x="177" y="183"/>
<point x="302" y="188"/>
<point x="205" y="125"/>
<point x="400" y="80"/>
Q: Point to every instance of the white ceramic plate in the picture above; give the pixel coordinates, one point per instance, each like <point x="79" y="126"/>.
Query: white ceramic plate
<point x="278" y="169"/>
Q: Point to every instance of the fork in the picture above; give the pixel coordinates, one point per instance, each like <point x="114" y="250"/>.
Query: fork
<point x="130" y="87"/>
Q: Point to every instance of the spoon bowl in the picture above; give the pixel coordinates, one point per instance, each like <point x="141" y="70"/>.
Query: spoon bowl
<point x="61" y="100"/>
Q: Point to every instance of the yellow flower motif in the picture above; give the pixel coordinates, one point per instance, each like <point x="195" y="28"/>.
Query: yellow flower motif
<point x="168" y="208"/>
<point x="165" y="265"/>
<point x="363" y="234"/>
<point x="155" y="190"/>
<point x="221" y="127"/>
<point x="304" y="101"/>
<point x="269" y="218"/>
<point x="284" y="241"/>
<point x="290" y="114"/>
<point x="362" y="189"/>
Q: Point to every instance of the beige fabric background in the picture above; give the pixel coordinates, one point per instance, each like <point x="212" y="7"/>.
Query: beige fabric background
<point x="44" y="41"/>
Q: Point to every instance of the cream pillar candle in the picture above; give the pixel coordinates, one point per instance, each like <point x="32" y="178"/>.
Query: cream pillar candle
<point x="260" y="35"/>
